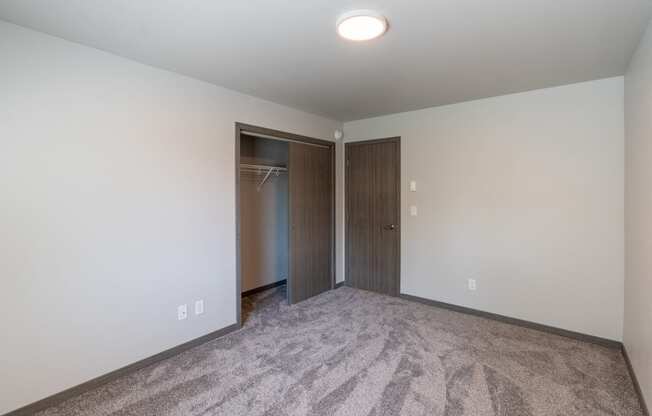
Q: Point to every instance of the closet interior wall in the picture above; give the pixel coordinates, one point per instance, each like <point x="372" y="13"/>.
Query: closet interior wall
<point x="264" y="213"/>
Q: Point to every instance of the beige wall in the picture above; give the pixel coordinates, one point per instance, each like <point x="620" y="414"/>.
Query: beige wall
<point x="117" y="203"/>
<point x="523" y="193"/>
<point x="264" y="230"/>
<point x="638" y="202"/>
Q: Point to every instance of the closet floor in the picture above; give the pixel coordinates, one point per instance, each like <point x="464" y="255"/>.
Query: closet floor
<point x="351" y="352"/>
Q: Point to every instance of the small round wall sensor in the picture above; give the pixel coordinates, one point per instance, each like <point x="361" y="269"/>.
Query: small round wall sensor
<point x="338" y="134"/>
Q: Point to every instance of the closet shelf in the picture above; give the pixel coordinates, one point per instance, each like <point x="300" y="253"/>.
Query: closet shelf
<point x="268" y="169"/>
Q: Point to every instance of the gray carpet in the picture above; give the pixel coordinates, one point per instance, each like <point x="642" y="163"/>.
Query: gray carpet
<point x="350" y="352"/>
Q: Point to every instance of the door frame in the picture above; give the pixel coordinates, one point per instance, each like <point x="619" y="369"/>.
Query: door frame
<point x="243" y="128"/>
<point x="347" y="146"/>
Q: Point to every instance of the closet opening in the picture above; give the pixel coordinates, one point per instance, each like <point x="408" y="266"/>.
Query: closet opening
<point x="285" y="216"/>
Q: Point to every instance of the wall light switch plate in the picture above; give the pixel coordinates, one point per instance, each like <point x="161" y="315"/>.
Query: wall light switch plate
<point x="472" y="285"/>
<point x="413" y="210"/>
<point x="182" y="312"/>
<point x="199" y="307"/>
<point x="413" y="186"/>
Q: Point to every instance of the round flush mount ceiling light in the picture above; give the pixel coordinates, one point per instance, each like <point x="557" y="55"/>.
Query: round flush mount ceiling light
<point x="360" y="25"/>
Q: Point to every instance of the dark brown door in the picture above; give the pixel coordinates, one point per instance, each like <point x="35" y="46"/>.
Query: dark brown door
<point x="311" y="220"/>
<point x="373" y="215"/>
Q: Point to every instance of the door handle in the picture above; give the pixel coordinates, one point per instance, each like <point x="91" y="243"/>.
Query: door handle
<point x="390" y="227"/>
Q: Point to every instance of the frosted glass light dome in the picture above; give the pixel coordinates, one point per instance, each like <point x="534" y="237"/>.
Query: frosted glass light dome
<point x="361" y="25"/>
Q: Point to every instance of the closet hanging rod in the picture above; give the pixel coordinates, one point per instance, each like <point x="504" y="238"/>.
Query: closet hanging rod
<point x="246" y="166"/>
<point x="260" y="168"/>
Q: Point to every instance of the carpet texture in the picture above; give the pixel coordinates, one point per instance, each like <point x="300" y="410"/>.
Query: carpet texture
<point x="350" y="352"/>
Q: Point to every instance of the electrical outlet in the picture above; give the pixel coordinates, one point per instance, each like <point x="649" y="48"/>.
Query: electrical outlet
<point x="182" y="312"/>
<point x="199" y="307"/>
<point x="413" y="210"/>
<point x="472" y="285"/>
<point x="413" y="186"/>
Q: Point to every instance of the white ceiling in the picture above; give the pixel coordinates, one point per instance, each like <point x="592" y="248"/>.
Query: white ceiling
<point x="287" y="51"/>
